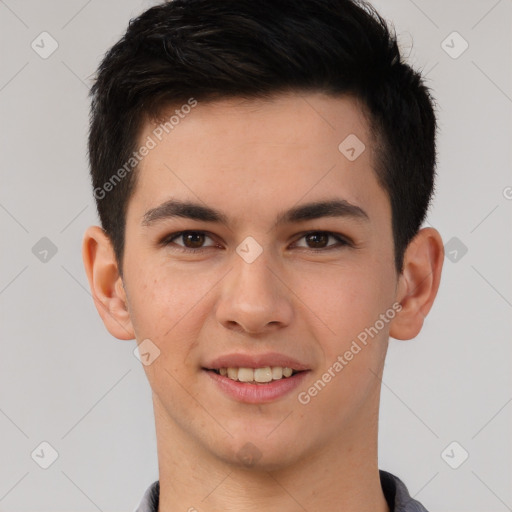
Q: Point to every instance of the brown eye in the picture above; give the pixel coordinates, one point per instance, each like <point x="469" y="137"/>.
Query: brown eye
<point x="317" y="240"/>
<point x="193" y="240"/>
<point x="188" y="241"/>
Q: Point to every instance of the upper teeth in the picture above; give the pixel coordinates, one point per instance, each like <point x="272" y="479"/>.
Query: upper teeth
<point x="265" y="374"/>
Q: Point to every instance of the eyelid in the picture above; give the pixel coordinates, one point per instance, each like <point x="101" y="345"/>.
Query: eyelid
<point x="342" y="240"/>
<point x="168" y="239"/>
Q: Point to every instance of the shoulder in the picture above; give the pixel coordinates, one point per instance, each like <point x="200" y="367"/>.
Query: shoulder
<point x="149" y="502"/>
<point x="397" y="495"/>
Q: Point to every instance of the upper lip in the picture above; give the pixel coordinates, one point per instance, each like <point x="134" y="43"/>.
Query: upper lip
<point x="240" y="360"/>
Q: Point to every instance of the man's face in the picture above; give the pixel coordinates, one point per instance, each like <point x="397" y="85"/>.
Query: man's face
<point x="290" y="289"/>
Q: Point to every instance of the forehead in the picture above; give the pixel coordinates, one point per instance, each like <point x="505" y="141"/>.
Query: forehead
<point x="255" y="155"/>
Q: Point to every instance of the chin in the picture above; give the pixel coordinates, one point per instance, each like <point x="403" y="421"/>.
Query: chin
<point x="258" y="453"/>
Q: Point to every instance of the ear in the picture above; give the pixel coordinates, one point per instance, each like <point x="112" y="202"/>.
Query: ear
<point x="418" y="283"/>
<point x="106" y="284"/>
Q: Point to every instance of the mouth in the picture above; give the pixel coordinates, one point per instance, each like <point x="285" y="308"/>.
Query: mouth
<point x="260" y="385"/>
<point x="264" y="375"/>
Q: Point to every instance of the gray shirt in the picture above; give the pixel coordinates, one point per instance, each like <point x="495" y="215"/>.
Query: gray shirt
<point x="394" y="489"/>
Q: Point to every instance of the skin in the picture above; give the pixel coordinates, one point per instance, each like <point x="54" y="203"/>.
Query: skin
<point x="252" y="160"/>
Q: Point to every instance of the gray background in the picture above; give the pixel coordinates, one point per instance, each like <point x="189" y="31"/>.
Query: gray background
<point x="66" y="381"/>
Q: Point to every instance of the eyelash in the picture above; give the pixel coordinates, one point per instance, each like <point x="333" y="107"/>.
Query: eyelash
<point x="342" y="241"/>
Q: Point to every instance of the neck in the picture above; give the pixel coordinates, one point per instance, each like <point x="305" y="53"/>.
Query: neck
<point x="341" y="475"/>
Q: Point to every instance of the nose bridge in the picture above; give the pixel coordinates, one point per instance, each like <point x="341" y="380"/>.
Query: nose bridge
<point x="253" y="285"/>
<point x="252" y="296"/>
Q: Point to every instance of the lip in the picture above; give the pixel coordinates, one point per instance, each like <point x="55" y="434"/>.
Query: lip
<point x="240" y="360"/>
<point x="256" y="393"/>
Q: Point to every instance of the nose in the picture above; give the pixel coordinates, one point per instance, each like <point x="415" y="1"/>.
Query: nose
<point x="253" y="299"/>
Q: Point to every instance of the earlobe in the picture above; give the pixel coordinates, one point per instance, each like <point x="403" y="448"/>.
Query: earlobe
<point x="418" y="283"/>
<point x="106" y="284"/>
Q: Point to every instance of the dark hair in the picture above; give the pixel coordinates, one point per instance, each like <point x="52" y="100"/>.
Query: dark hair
<point x="214" y="49"/>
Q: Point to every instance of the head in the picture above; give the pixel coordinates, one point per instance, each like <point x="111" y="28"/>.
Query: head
<point x="263" y="94"/>
<point x="208" y="50"/>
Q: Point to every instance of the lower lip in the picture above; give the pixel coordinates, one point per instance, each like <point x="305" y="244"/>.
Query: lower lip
<point x="257" y="393"/>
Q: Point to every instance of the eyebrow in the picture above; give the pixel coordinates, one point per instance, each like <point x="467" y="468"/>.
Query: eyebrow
<point x="186" y="209"/>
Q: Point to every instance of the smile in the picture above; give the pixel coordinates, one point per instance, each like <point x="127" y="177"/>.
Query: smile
<point x="250" y="390"/>
<point x="256" y="375"/>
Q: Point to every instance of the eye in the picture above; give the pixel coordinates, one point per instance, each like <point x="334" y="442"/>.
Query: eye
<point x="195" y="241"/>
<point x="191" y="240"/>
<point x="318" y="240"/>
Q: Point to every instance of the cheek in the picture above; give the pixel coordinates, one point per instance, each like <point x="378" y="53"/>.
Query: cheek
<point x="164" y="301"/>
<point x="346" y="300"/>
<point x="169" y="307"/>
<point x="349" y="304"/>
